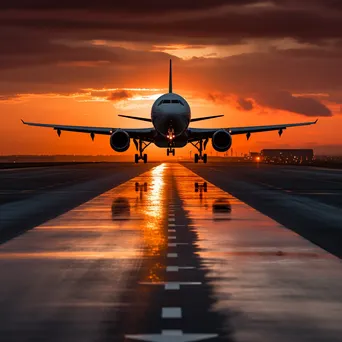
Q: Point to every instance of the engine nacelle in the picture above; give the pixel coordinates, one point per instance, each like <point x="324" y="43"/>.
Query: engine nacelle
<point x="120" y="141"/>
<point x="221" y="140"/>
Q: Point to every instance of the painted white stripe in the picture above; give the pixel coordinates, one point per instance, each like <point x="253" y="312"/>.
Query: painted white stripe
<point x="171" y="336"/>
<point x="172" y="219"/>
<point x="177" y="268"/>
<point x="171" y="230"/>
<point x="171" y="237"/>
<point x="172" y="332"/>
<point x="171" y="312"/>
<point x="172" y="269"/>
<point x="175" y="244"/>
<point x="172" y="225"/>
<point x="172" y="286"/>
<point x="172" y="255"/>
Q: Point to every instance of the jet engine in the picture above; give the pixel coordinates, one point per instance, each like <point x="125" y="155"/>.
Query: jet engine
<point x="119" y="141"/>
<point x="221" y="140"/>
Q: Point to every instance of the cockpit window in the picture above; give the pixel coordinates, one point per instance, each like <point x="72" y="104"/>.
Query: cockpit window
<point x="170" y="101"/>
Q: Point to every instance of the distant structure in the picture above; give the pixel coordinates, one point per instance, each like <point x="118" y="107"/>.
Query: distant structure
<point x="287" y="156"/>
<point x="254" y="156"/>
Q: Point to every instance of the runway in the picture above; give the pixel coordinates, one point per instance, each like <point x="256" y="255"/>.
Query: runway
<point x="165" y="253"/>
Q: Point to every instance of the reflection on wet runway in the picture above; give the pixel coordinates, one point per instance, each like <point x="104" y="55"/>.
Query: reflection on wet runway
<point x="167" y="256"/>
<point x="83" y="256"/>
<point x="270" y="283"/>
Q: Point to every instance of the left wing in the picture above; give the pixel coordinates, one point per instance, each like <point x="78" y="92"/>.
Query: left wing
<point x="136" y="133"/>
<point x="202" y="133"/>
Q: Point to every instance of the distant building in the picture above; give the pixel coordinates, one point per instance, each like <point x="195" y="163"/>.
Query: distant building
<point x="254" y="156"/>
<point x="287" y="156"/>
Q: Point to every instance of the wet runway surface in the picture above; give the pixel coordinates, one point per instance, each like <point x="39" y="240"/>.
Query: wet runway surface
<point x="31" y="196"/>
<point x="307" y="200"/>
<point x="167" y="256"/>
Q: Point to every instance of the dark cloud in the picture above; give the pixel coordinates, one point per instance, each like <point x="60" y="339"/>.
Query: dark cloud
<point x="128" y="6"/>
<point x="119" y="95"/>
<point x="206" y="22"/>
<point x="46" y="46"/>
<point x="286" y="101"/>
<point x="245" y="104"/>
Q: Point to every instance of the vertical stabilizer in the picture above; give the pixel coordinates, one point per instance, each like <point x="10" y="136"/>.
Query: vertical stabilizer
<point x="170" y="77"/>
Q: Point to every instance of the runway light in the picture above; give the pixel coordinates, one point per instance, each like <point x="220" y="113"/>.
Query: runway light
<point x="257" y="158"/>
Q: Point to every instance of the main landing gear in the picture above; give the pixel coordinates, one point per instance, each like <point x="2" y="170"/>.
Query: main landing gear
<point x="170" y="151"/>
<point x="200" y="146"/>
<point x="141" y="146"/>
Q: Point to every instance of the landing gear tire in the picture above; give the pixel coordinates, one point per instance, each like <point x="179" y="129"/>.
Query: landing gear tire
<point x="196" y="158"/>
<point x="136" y="158"/>
<point x="145" y="158"/>
<point x="205" y="158"/>
<point x="173" y="152"/>
<point x="167" y="152"/>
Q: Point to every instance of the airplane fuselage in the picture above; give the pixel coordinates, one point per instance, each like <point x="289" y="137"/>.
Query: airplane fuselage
<point x="171" y="116"/>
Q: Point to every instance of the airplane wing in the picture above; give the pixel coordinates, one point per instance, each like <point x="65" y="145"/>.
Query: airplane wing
<point x="202" y="133"/>
<point x="135" y="133"/>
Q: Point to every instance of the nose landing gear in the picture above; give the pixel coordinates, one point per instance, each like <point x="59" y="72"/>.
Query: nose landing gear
<point x="170" y="151"/>
<point x="141" y="146"/>
<point x="200" y="146"/>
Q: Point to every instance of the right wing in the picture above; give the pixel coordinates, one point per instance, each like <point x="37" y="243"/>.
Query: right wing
<point x="203" y="133"/>
<point x="135" y="133"/>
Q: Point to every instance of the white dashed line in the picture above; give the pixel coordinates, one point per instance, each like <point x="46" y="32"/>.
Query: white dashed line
<point x="175" y="244"/>
<point x="172" y="255"/>
<point x="172" y="286"/>
<point x="171" y="336"/>
<point x="172" y="225"/>
<point x="172" y="312"/>
<point x="177" y="268"/>
<point x="172" y="238"/>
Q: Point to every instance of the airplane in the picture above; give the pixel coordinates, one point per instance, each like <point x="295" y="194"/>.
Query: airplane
<point x="170" y="117"/>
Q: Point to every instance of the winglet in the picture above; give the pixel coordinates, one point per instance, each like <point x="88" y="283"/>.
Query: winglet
<point x="23" y="121"/>
<point x="170" y="77"/>
<point x="316" y="121"/>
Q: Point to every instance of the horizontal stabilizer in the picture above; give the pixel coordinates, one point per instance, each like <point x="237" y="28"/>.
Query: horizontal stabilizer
<point x="135" y="118"/>
<point x="206" y="118"/>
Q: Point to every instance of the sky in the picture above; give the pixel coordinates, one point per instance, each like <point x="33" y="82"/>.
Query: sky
<point x="84" y="62"/>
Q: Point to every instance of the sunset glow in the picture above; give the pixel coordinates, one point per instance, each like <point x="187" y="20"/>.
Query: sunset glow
<point x="84" y="67"/>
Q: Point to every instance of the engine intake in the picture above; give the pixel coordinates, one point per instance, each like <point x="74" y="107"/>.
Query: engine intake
<point x="120" y="141"/>
<point x="221" y="140"/>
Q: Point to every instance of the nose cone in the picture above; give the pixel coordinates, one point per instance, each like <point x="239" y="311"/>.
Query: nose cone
<point x="179" y="122"/>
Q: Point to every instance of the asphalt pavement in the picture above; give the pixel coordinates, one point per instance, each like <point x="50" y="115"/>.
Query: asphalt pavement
<point x="167" y="255"/>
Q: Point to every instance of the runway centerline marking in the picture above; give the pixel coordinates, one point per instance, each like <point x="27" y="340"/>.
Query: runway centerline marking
<point x="171" y="312"/>
<point x="177" y="268"/>
<point x="172" y="255"/>
<point x="171" y="336"/>
<point x="175" y="244"/>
